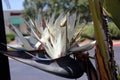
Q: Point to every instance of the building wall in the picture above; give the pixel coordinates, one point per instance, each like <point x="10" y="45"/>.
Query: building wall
<point x="14" y="17"/>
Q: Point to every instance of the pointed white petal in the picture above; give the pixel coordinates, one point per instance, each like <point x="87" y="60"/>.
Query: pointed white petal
<point x="84" y="47"/>
<point x="24" y="41"/>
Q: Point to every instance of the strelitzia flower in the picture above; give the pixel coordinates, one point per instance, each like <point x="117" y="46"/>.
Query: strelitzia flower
<point x="49" y="48"/>
<point x="56" y="38"/>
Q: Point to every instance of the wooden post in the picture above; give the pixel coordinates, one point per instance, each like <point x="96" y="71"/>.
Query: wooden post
<point x="4" y="65"/>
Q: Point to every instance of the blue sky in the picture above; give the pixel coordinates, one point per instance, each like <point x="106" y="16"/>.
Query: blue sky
<point x="15" y="4"/>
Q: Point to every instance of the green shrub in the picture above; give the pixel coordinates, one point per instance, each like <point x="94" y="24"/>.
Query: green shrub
<point x="10" y="37"/>
<point x="114" y="31"/>
<point x="88" y="31"/>
<point x="119" y="77"/>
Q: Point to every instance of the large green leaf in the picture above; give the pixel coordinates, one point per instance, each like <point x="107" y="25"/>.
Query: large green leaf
<point x="102" y="49"/>
<point x="112" y="8"/>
